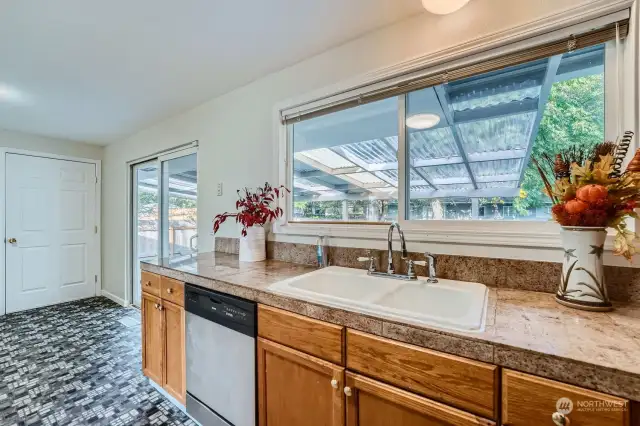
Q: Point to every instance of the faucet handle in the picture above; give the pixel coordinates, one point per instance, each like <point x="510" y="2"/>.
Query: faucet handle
<point x="431" y="258"/>
<point x="420" y="262"/>
<point x="369" y="258"/>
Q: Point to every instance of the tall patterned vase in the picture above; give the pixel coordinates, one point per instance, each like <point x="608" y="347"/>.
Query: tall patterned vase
<point x="582" y="283"/>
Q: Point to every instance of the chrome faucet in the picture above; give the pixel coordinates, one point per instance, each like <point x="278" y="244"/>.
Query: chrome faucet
<point x="390" y="269"/>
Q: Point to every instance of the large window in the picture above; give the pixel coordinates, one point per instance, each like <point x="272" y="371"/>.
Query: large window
<point x="473" y="159"/>
<point x="452" y="150"/>
<point x="345" y="165"/>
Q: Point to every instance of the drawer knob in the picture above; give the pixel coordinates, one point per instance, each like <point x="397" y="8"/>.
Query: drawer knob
<point x="148" y="283"/>
<point x="334" y="384"/>
<point x="347" y="391"/>
<point x="560" y="419"/>
<point x="170" y="290"/>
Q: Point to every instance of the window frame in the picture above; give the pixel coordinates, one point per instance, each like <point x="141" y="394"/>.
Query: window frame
<point x="482" y="233"/>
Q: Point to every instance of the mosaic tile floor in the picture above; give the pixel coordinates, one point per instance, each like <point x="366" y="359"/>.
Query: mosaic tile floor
<point x="77" y="363"/>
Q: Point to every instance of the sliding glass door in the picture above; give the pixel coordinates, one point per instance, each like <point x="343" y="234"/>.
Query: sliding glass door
<point x="179" y="208"/>
<point x="164" y="211"/>
<point x="146" y="219"/>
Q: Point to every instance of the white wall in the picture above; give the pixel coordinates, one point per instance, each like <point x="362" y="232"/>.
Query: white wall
<point x="29" y="142"/>
<point x="236" y="130"/>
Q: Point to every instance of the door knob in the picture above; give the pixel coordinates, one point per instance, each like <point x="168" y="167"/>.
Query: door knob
<point x="12" y="241"/>
<point x="560" y="419"/>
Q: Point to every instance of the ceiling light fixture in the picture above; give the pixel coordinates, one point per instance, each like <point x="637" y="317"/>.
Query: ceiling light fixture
<point x="443" y="7"/>
<point x="423" y="121"/>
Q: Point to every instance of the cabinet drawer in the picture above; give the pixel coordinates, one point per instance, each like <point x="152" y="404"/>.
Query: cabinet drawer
<point x="370" y="403"/>
<point x="529" y="400"/>
<point x="172" y="290"/>
<point x="150" y="283"/>
<point x="462" y="383"/>
<point x="308" y="335"/>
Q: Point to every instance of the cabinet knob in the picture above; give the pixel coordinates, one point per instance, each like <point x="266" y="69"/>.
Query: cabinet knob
<point x="560" y="419"/>
<point x="334" y="384"/>
<point x="347" y="391"/>
<point x="155" y="305"/>
<point x="148" y="283"/>
<point x="170" y="290"/>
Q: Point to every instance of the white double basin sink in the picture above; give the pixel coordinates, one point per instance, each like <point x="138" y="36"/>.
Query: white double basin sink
<point x="448" y="304"/>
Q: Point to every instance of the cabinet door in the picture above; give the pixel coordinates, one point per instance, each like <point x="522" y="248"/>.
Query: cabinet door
<point x="528" y="400"/>
<point x="297" y="389"/>
<point x="152" y="338"/>
<point x="174" y="350"/>
<point x="372" y="403"/>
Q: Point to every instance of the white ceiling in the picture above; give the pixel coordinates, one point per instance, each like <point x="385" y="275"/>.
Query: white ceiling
<point x="97" y="71"/>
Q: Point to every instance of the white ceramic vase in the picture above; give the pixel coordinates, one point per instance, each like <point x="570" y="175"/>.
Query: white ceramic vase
<point x="253" y="247"/>
<point x="582" y="283"/>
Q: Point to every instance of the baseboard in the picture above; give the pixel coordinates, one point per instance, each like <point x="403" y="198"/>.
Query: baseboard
<point x="115" y="298"/>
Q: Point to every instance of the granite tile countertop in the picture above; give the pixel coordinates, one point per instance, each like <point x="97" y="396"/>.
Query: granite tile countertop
<point x="527" y="331"/>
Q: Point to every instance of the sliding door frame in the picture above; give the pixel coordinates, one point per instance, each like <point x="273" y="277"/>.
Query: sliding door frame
<point x="134" y="216"/>
<point x="95" y="257"/>
<point x="130" y="248"/>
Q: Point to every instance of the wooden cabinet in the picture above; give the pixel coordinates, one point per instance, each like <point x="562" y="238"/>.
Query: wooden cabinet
<point x="373" y="403"/>
<point x="317" y="338"/>
<point x="462" y="383"/>
<point x="152" y="337"/>
<point x="163" y="335"/>
<point x="295" y="388"/>
<point x="172" y="290"/>
<point x="175" y="375"/>
<point x="530" y="400"/>
<point x="150" y="283"/>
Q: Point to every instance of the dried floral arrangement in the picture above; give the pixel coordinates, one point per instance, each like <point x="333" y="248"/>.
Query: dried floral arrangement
<point x="590" y="189"/>
<point x="254" y="207"/>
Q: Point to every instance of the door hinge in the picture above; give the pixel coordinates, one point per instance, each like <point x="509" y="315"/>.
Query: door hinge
<point x="96" y="279"/>
<point x="95" y="228"/>
<point x="96" y="179"/>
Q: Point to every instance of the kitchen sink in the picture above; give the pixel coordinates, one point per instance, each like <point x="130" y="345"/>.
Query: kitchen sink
<point x="449" y="304"/>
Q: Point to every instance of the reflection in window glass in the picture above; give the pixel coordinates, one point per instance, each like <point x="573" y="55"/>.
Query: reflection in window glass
<point x="473" y="160"/>
<point x="345" y="165"/>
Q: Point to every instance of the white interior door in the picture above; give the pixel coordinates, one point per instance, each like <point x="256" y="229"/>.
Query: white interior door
<point x="51" y="239"/>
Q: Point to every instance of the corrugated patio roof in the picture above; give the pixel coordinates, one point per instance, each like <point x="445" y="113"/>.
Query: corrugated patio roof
<point x="480" y="148"/>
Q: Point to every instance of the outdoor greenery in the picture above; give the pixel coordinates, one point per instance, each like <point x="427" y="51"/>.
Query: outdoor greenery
<point x="148" y="204"/>
<point x="574" y="116"/>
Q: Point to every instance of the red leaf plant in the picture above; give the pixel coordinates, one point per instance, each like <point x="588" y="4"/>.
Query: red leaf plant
<point x="254" y="208"/>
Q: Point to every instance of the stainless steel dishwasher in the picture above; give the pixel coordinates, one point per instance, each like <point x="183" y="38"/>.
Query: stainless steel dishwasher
<point x="221" y="358"/>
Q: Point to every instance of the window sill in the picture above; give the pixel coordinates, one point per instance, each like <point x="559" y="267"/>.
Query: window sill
<point x="520" y="240"/>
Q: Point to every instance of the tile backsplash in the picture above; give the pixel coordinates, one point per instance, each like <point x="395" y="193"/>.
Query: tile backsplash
<point x="623" y="283"/>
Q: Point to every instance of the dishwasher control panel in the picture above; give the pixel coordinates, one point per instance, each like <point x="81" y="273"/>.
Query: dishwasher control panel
<point x="230" y="311"/>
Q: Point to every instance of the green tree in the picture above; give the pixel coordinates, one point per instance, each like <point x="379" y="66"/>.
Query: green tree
<point x="574" y="116"/>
